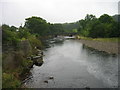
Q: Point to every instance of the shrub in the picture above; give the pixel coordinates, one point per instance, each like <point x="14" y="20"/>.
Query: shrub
<point x="9" y="81"/>
<point x="35" y="42"/>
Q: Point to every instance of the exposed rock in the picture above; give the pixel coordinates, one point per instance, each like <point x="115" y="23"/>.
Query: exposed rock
<point x="45" y="81"/>
<point x="36" y="57"/>
<point x="51" y="77"/>
<point x="40" y="53"/>
<point x="29" y="58"/>
<point x="38" y="62"/>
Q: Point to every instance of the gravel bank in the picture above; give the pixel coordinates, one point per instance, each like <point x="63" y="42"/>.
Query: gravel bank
<point x="109" y="47"/>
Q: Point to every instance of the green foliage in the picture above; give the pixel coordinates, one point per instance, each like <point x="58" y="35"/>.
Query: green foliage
<point x="9" y="35"/>
<point x="14" y="65"/>
<point x="25" y="66"/>
<point x="13" y="28"/>
<point x="74" y="30"/>
<point x="107" y="39"/>
<point x="37" y="25"/>
<point x="97" y="30"/>
<point x="106" y="19"/>
<point x="9" y="81"/>
<point x="70" y="26"/>
<point x="89" y="18"/>
<point x="82" y="25"/>
<point x="100" y="39"/>
<point x="15" y="61"/>
<point x="34" y="41"/>
<point x="23" y="33"/>
<point x="56" y="29"/>
<point x="27" y="63"/>
<point x="105" y="27"/>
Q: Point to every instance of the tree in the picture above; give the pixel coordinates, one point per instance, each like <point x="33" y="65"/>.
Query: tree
<point x="13" y="28"/>
<point x="85" y="25"/>
<point x="23" y="33"/>
<point x="114" y="30"/>
<point x="105" y="18"/>
<point x="102" y="27"/>
<point x="37" y="25"/>
<point x="9" y="36"/>
<point x="89" y="17"/>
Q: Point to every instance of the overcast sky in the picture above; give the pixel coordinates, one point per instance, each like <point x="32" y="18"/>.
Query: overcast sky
<point x="14" y="12"/>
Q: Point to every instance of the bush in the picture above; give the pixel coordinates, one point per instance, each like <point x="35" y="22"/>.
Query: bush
<point x="34" y="41"/>
<point x="9" y="81"/>
<point x="27" y="63"/>
<point x="9" y="37"/>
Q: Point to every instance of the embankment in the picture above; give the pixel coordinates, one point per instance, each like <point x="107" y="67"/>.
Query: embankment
<point x="109" y="47"/>
<point x="17" y="62"/>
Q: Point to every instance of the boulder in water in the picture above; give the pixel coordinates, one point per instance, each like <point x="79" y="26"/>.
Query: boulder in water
<point x="38" y="62"/>
<point x="51" y="77"/>
<point x="45" y="81"/>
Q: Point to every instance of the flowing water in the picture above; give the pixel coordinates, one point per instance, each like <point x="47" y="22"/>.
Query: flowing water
<point x="73" y="65"/>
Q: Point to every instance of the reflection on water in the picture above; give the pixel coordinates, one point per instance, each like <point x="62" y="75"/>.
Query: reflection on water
<point x="104" y="66"/>
<point x="74" y="66"/>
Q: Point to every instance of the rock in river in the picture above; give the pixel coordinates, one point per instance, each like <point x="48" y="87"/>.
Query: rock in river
<point x="46" y="81"/>
<point x="38" y="62"/>
<point x="51" y="77"/>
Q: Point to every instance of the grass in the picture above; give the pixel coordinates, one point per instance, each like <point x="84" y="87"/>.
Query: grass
<point x="107" y="39"/>
<point x="100" y="39"/>
<point x="9" y="81"/>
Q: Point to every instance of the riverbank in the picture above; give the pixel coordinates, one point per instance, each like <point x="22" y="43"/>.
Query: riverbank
<point x="17" y="62"/>
<point x="107" y="45"/>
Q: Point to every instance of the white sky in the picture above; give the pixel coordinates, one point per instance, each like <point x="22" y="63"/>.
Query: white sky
<point x="14" y="12"/>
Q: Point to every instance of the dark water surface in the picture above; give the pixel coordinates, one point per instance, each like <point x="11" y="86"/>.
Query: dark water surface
<point x="72" y="65"/>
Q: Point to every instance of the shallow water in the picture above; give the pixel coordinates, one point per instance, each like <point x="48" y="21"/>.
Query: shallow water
<point x="73" y="65"/>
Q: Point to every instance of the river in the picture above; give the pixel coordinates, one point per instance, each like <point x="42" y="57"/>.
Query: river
<point x="73" y="65"/>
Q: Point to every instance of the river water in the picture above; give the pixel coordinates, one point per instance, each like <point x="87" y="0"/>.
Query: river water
<point x="73" y="65"/>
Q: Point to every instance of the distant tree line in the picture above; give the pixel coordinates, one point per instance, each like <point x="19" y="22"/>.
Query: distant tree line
<point x="104" y="27"/>
<point x="41" y="27"/>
